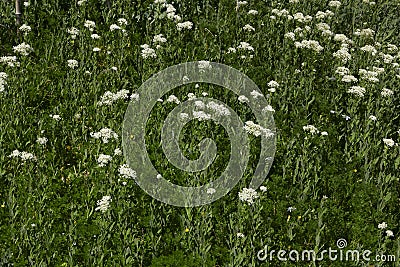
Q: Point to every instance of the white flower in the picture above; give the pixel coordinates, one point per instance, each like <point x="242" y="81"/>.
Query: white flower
<point x="210" y="191"/>
<point x="382" y="225"/>
<point x="96" y="49"/>
<point x="240" y="235"/>
<point x="203" y="65"/>
<point x="245" y="46"/>
<point x="55" y="117"/>
<point x="159" y="38"/>
<point x="243" y="99"/>
<point x="388" y="142"/>
<point x="191" y="96"/>
<point x="311" y="128"/>
<point x="81" y="2"/>
<point x="184" y="25"/>
<point x="136" y="97"/>
<point x="349" y="78"/>
<point x="201" y="115"/>
<point x="219" y="110"/>
<point x="372" y="118"/>
<point x="324" y="133"/>
<point x="386" y="92"/>
<point x="342" y="71"/>
<point x="117" y="152"/>
<point x="248" y="28"/>
<point x="159" y="176"/>
<point x="173" y="99"/>
<point x="95" y="36"/>
<point x="103" y="204"/>
<point x="184" y="116"/>
<point x="291" y="209"/>
<point x="199" y="104"/>
<point x="26" y="4"/>
<point x="105" y="134"/>
<point x="25" y="28"/>
<point x="109" y="98"/>
<point x="273" y="84"/>
<point x="268" y="108"/>
<point x="342" y="54"/>
<point x="42" y="140"/>
<point x="126" y="172"/>
<point x="3" y="82"/>
<point x="114" y="27"/>
<point x="257" y="130"/>
<point x="368" y="75"/>
<point x="248" y="195"/>
<point x="74" y="32"/>
<point x="263" y="188"/>
<point x="11" y="61"/>
<point x="369" y="49"/>
<point x="72" y="63"/>
<point x="252" y="12"/>
<point x="90" y="25"/>
<point x="357" y="90"/>
<point x="23" y="49"/>
<point x="256" y="94"/>
<point x="334" y="4"/>
<point x="103" y="160"/>
<point x="122" y="21"/>
<point x="309" y="44"/>
<point x="23" y="155"/>
<point x="114" y="68"/>
<point x="389" y="233"/>
<point x="148" y="52"/>
<point x="290" y="35"/>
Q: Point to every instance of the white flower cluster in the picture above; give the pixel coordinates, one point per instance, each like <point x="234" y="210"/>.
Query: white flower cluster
<point x="126" y="172"/>
<point x="343" y="54"/>
<point x="357" y="90"/>
<point x="248" y="195"/>
<point x="324" y="15"/>
<point x="55" y="117"/>
<point x="103" y="204"/>
<point x="257" y="130"/>
<point x="201" y="115"/>
<point x="218" y="109"/>
<point x="371" y="76"/>
<point x="334" y="4"/>
<point x="248" y="28"/>
<point x="103" y="160"/>
<point x="383" y="226"/>
<point x="159" y="39"/>
<point x="11" y="61"/>
<point x="365" y="33"/>
<point x="74" y="32"/>
<point x="311" y="128"/>
<point x="23" y="49"/>
<point x="23" y="155"/>
<point x="243" y="99"/>
<point x="148" y="52"/>
<point x="105" y="134"/>
<point x="173" y="99"/>
<point x="309" y="44"/>
<point x="203" y="65"/>
<point x="386" y="92"/>
<point x="42" y="140"/>
<point x="90" y="25"/>
<point x="72" y="63"/>
<point x="369" y="49"/>
<point x="272" y="86"/>
<point x="25" y="28"/>
<point x="3" y="82"/>
<point x="109" y="98"/>
<point x="184" y="25"/>
<point x="388" y="142"/>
